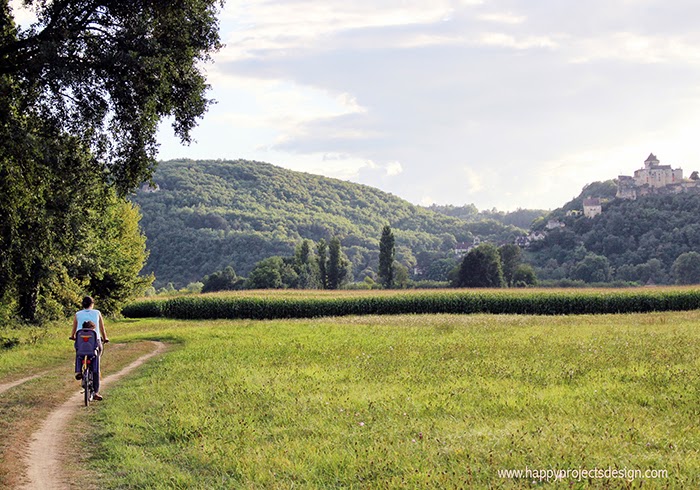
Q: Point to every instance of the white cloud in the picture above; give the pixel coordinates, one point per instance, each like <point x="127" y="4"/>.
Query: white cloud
<point x="263" y="25"/>
<point x="502" y="18"/>
<point x="504" y="103"/>
<point x="637" y="48"/>
<point x="393" y="168"/>
<point x="508" y="41"/>
<point x="473" y="180"/>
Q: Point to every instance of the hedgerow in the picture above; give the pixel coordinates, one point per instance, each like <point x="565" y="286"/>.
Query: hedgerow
<point x="494" y="302"/>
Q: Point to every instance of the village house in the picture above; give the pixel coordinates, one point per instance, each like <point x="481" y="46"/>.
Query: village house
<point x="463" y="248"/>
<point x="553" y="224"/>
<point x="592" y="207"/>
<point x="526" y="241"/>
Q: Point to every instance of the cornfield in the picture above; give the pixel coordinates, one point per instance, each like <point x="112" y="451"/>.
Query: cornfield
<point x="531" y="302"/>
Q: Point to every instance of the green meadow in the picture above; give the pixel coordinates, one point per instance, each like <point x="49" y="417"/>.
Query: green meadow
<point x="435" y="401"/>
<point x="413" y="401"/>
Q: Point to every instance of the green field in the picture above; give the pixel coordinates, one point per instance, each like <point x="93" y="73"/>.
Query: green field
<point x="415" y="401"/>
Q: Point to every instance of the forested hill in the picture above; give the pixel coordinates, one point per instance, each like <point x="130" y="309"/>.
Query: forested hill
<point x="206" y="215"/>
<point x="637" y="240"/>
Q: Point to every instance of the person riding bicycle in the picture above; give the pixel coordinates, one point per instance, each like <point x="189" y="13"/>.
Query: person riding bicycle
<point x="90" y="314"/>
<point x="86" y="345"/>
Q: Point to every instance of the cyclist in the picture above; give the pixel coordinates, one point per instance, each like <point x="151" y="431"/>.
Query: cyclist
<point x="90" y="314"/>
<point x="90" y="347"/>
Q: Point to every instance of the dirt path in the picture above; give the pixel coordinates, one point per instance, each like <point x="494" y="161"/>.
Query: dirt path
<point x="47" y="444"/>
<point x="7" y="386"/>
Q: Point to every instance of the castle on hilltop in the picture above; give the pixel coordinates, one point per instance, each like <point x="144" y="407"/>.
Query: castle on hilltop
<point x="655" y="178"/>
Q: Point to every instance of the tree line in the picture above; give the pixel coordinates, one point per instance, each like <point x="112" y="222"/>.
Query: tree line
<point x="206" y="215"/>
<point x="324" y="266"/>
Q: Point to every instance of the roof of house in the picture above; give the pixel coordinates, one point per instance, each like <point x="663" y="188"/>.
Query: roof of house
<point x="651" y="158"/>
<point x="591" y="201"/>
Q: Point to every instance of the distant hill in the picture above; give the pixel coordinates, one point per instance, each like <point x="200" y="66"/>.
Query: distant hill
<point x="522" y="218"/>
<point x="206" y="215"/>
<point x="636" y="240"/>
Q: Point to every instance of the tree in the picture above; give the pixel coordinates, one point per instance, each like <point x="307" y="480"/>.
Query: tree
<point x="304" y="253"/>
<point x="321" y="250"/>
<point x="306" y="266"/>
<point x="225" y="280"/>
<point x="118" y="256"/>
<point x="401" y="276"/>
<point x="511" y="257"/>
<point x="337" y="264"/>
<point x="524" y="275"/>
<point x="651" y="271"/>
<point x="267" y="274"/>
<point x="481" y="268"/>
<point x="686" y="268"/>
<point x="387" y="252"/>
<point x="107" y="72"/>
<point x="81" y="94"/>
<point x="65" y="231"/>
<point x="439" y="270"/>
<point x="593" y="268"/>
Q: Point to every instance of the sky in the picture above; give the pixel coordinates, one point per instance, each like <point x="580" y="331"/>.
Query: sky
<point x="500" y="103"/>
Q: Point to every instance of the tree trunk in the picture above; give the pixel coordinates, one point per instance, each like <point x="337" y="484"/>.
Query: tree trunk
<point x="28" y="296"/>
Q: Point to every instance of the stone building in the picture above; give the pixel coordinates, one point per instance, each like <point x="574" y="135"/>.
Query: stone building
<point x="592" y="207"/>
<point x="654" y="178"/>
<point x="656" y="175"/>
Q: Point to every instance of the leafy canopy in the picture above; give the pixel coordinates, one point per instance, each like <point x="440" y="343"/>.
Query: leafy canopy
<point x="109" y="71"/>
<point x="82" y="91"/>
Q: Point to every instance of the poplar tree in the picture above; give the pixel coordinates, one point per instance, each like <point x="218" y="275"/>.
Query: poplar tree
<point x="322" y="252"/>
<point x="337" y="264"/>
<point x="387" y="251"/>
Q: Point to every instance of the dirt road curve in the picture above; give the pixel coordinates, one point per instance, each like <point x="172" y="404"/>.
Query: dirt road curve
<point x="47" y="444"/>
<point x="7" y="386"/>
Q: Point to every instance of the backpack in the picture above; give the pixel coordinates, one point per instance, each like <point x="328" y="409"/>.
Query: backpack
<point x="86" y="342"/>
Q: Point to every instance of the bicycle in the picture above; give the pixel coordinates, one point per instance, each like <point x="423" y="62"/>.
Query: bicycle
<point x="88" y="383"/>
<point x="87" y="348"/>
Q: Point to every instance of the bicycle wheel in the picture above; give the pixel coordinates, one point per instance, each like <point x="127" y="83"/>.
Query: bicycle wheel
<point x="88" y="387"/>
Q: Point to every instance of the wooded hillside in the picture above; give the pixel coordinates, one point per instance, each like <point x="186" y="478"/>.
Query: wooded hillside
<point x="632" y="240"/>
<point x="206" y="215"/>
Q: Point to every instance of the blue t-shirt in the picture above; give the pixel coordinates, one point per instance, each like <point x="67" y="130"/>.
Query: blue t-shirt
<point x="89" y="315"/>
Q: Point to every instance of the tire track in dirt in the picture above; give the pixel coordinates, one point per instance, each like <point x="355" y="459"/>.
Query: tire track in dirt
<point x="7" y="386"/>
<point x="48" y="443"/>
